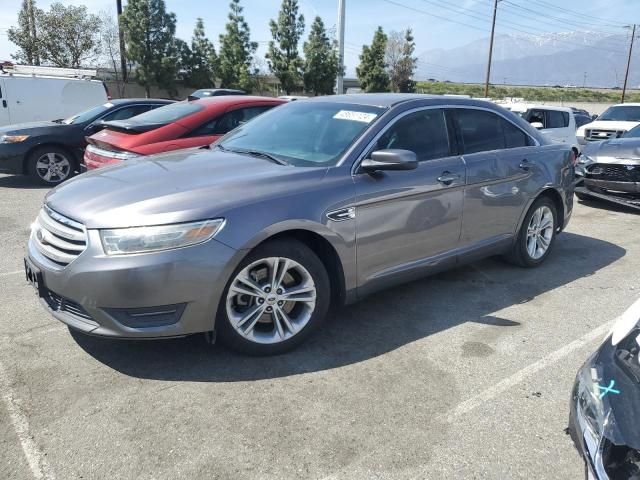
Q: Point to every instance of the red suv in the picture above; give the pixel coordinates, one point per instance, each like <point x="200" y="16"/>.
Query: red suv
<point x="192" y="123"/>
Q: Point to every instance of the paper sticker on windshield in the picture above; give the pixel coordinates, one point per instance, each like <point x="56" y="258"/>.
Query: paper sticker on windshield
<point x="355" y="116"/>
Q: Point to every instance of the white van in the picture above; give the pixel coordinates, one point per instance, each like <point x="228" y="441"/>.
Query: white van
<point x="556" y="123"/>
<point x="31" y="94"/>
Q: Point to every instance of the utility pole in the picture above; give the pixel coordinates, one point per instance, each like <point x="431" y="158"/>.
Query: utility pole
<point x="493" y="31"/>
<point x="123" y="61"/>
<point x="584" y="80"/>
<point x="340" y="79"/>
<point x="626" y="75"/>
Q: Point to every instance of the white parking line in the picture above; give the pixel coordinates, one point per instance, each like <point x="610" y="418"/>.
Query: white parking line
<point x="37" y="462"/>
<point x="509" y="382"/>
<point x="15" y="272"/>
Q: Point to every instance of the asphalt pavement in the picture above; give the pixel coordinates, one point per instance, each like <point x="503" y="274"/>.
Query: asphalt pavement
<point x="466" y="374"/>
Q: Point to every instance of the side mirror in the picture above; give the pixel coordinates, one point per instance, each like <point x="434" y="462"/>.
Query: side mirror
<point x="594" y="117"/>
<point x="390" y="159"/>
<point x="537" y="125"/>
<point x="95" y="126"/>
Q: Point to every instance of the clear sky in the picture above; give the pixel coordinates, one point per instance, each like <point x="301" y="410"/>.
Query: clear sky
<point x="436" y="23"/>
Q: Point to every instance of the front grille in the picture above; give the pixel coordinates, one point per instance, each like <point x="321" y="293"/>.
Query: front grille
<point x="598" y="134"/>
<point x="62" y="304"/>
<point x="614" y="173"/>
<point x="58" y="238"/>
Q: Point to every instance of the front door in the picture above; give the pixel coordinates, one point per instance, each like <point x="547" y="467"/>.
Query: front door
<point x="407" y="221"/>
<point x="4" y="105"/>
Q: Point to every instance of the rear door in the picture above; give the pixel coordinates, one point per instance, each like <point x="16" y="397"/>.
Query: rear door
<point x="557" y="126"/>
<point x="499" y="161"/>
<point x="404" y="218"/>
<point x="5" y="119"/>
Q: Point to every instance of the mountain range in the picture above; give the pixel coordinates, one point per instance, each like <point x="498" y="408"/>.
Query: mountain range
<point x="577" y="58"/>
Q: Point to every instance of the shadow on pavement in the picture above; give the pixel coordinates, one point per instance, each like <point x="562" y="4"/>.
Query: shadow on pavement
<point x="21" y="181"/>
<point x="372" y="327"/>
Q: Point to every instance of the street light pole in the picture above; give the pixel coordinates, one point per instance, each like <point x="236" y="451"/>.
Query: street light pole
<point x="340" y="79"/>
<point x="493" y="31"/>
<point x="626" y="75"/>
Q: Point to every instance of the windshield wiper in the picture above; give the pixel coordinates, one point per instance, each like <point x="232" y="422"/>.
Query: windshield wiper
<point x="255" y="153"/>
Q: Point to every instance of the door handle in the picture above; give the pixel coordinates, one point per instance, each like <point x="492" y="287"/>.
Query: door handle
<point x="525" y="165"/>
<point x="447" y="178"/>
<point x="4" y="103"/>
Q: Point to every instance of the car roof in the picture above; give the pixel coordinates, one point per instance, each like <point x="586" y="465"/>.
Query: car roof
<point x="230" y="100"/>
<point x="538" y="106"/>
<point x="124" y="101"/>
<point x="388" y="100"/>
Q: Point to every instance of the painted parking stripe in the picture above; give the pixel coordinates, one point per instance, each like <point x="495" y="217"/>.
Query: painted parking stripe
<point x="501" y="387"/>
<point x="38" y="464"/>
<point x="15" y="272"/>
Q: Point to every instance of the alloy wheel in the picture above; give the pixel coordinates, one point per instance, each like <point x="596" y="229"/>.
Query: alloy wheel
<point x="53" y="167"/>
<point x="540" y="232"/>
<point x="271" y="300"/>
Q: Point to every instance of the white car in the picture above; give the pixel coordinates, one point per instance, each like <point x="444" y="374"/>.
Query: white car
<point x="556" y="123"/>
<point x="32" y="94"/>
<point x="613" y="123"/>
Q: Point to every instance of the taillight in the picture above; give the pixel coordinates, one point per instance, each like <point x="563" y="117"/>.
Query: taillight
<point x="574" y="158"/>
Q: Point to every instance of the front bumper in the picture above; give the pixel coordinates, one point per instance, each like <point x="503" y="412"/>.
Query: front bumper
<point x="11" y="157"/>
<point x="128" y="296"/>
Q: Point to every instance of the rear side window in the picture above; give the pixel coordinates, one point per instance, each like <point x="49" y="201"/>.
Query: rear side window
<point x="484" y="131"/>
<point x="228" y="121"/>
<point x="167" y="114"/>
<point x="126" y="112"/>
<point x="424" y="133"/>
<point x="556" y="119"/>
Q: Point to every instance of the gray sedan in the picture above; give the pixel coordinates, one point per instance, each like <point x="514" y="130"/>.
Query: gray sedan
<point x="312" y="203"/>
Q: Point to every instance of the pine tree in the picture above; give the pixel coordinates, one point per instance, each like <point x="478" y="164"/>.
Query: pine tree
<point x="236" y="51"/>
<point x="372" y="71"/>
<point x="25" y="34"/>
<point x="200" y="62"/>
<point x="321" y="61"/>
<point x="400" y="61"/>
<point x="283" y="58"/>
<point x="149" y="35"/>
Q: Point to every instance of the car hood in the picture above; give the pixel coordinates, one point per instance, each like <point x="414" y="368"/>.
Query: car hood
<point x="607" y="125"/>
<point x="619" y="150"/>
<point x="32" y="128"/>
<point x="175" y="187"/>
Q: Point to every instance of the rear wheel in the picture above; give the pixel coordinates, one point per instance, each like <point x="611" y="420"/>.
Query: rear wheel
<point x="50" y="165"/>
<point x="276" y="298"/>
<point x="537" y="234"/>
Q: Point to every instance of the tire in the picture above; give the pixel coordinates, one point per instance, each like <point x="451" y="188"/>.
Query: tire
<point x="250" y="316"/>
<point x="521" y="253"/>
<point x="50" y="165"/>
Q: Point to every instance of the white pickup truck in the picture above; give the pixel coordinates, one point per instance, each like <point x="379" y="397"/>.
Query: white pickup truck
<point x="613" y="123"/>
<point x="557" y="123"/>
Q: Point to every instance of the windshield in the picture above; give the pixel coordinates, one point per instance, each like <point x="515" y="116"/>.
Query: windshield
<point x="629" y="113"/>
<point x="88" y="115"/>
<point x="304" y="134"/>
<point x="633" y="133"/>
<point x="166" y="114"/>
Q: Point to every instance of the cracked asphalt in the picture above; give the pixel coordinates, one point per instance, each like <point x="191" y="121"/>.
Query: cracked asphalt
<point x="465" y="374"/>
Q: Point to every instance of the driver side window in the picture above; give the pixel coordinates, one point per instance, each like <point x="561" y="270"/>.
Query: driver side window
<point x="424" y="133"/>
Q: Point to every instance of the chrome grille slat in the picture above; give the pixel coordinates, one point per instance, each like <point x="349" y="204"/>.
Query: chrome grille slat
<point x="58" y="238"/>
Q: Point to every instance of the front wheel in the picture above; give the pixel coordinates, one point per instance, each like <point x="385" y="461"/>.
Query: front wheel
<point x="537" y="234"/>
<point x="50" y="165"/>
<point x="276" y="298"/>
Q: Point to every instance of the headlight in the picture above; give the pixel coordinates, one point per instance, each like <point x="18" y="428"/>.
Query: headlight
<point x="590" y="407"/>
<point x="585" y="159"/>
<point x="123" y="241"/>
<point x="13" y="138"/>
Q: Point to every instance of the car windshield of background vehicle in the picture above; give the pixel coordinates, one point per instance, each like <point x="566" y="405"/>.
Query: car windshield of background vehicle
<point x="87" y="115"/>
<point x="304" y="134"/>
<point x="621" y="114"/>
<point x="633" y="133"/>
<point x="166" y="114"/>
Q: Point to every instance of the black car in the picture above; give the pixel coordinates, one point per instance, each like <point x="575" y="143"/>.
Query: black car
<point x="52" y="151"/>
<point x="605" y="404"/>
<point x="216" y="92"/>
